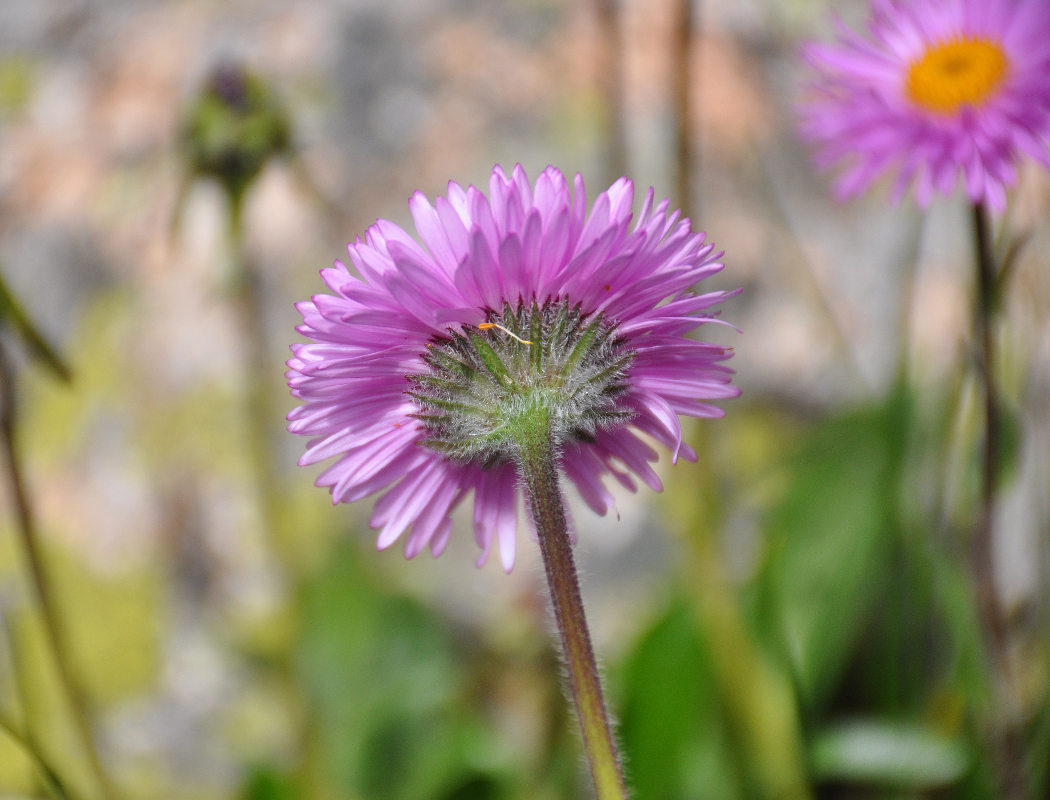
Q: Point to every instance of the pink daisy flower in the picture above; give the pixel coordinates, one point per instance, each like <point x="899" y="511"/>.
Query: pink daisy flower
<point x="415" y="362"/>
<point x="937" y="89"/>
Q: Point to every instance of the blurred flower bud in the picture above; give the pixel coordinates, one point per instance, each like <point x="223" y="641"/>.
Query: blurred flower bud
<point x="233" y="127"/>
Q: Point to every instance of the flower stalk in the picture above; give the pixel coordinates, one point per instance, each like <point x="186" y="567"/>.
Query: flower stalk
<point x="990" y="467"/>
<point x="40" y="581"/>
<point x="248" y="303"/>
<point x="537" y="465"/>
<point x="46" y="770"/>
<point x="990" y="276"/>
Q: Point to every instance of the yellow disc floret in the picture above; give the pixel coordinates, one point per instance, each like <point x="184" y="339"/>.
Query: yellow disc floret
<point x="960" y="71"/>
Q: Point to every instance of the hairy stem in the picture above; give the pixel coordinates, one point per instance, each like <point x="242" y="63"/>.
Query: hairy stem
<point x="537" y="464"/>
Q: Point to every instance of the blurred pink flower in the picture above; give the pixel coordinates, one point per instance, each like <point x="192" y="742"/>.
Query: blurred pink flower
<point x="936" y="88"/>
<point x="494" y="273"/>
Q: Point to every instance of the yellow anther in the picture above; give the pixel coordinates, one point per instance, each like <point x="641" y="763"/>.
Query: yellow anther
<point x="484" y="326"/>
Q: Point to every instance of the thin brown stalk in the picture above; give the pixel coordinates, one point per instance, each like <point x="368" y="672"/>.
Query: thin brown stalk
<point x="686" y="146"/>
<point x="610" y="42"/>
<point x="40" y="581"/>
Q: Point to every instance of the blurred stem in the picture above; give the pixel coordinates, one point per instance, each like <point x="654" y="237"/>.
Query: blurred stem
<point x="54" y="785"/>
<point x="24" y="735"/>
<point x="901" y="670"/>
<point x="611" y="49"/>
<point x="1009" y="744"/>
<point x="983" y="548"/>
<point x="682" y="89"/>
<point x="904" y="583"/>
<point x="26" y="526"/>
<point x="537" y="465"/>
<point x="909" y="256"/>
<point x="260" y="414"/>
<point x="258" y="407"/>
<point x="11" y="311"/>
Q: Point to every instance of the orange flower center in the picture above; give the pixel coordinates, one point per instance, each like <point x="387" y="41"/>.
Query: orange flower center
<point x="958" y="72"/>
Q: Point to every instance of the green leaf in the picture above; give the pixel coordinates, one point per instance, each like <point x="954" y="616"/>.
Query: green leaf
<point x="830" y="540"/>
<point x="474" y="787"/>
<point x="384" y="680"/>
<point x="265" y="783"/>
<point x="674" y="742"/>
<point x="1037" y="765"/>
<point x="968" y="669"/>
<point x="887" y="753"/>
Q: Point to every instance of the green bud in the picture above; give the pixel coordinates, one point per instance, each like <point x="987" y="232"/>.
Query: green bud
<point x="235" y="125"/>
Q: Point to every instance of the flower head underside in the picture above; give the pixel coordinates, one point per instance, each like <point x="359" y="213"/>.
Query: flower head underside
<point x="418" y="366"/>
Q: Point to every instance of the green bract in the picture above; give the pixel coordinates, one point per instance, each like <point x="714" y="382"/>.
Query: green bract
<point x="486" y="381"/>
